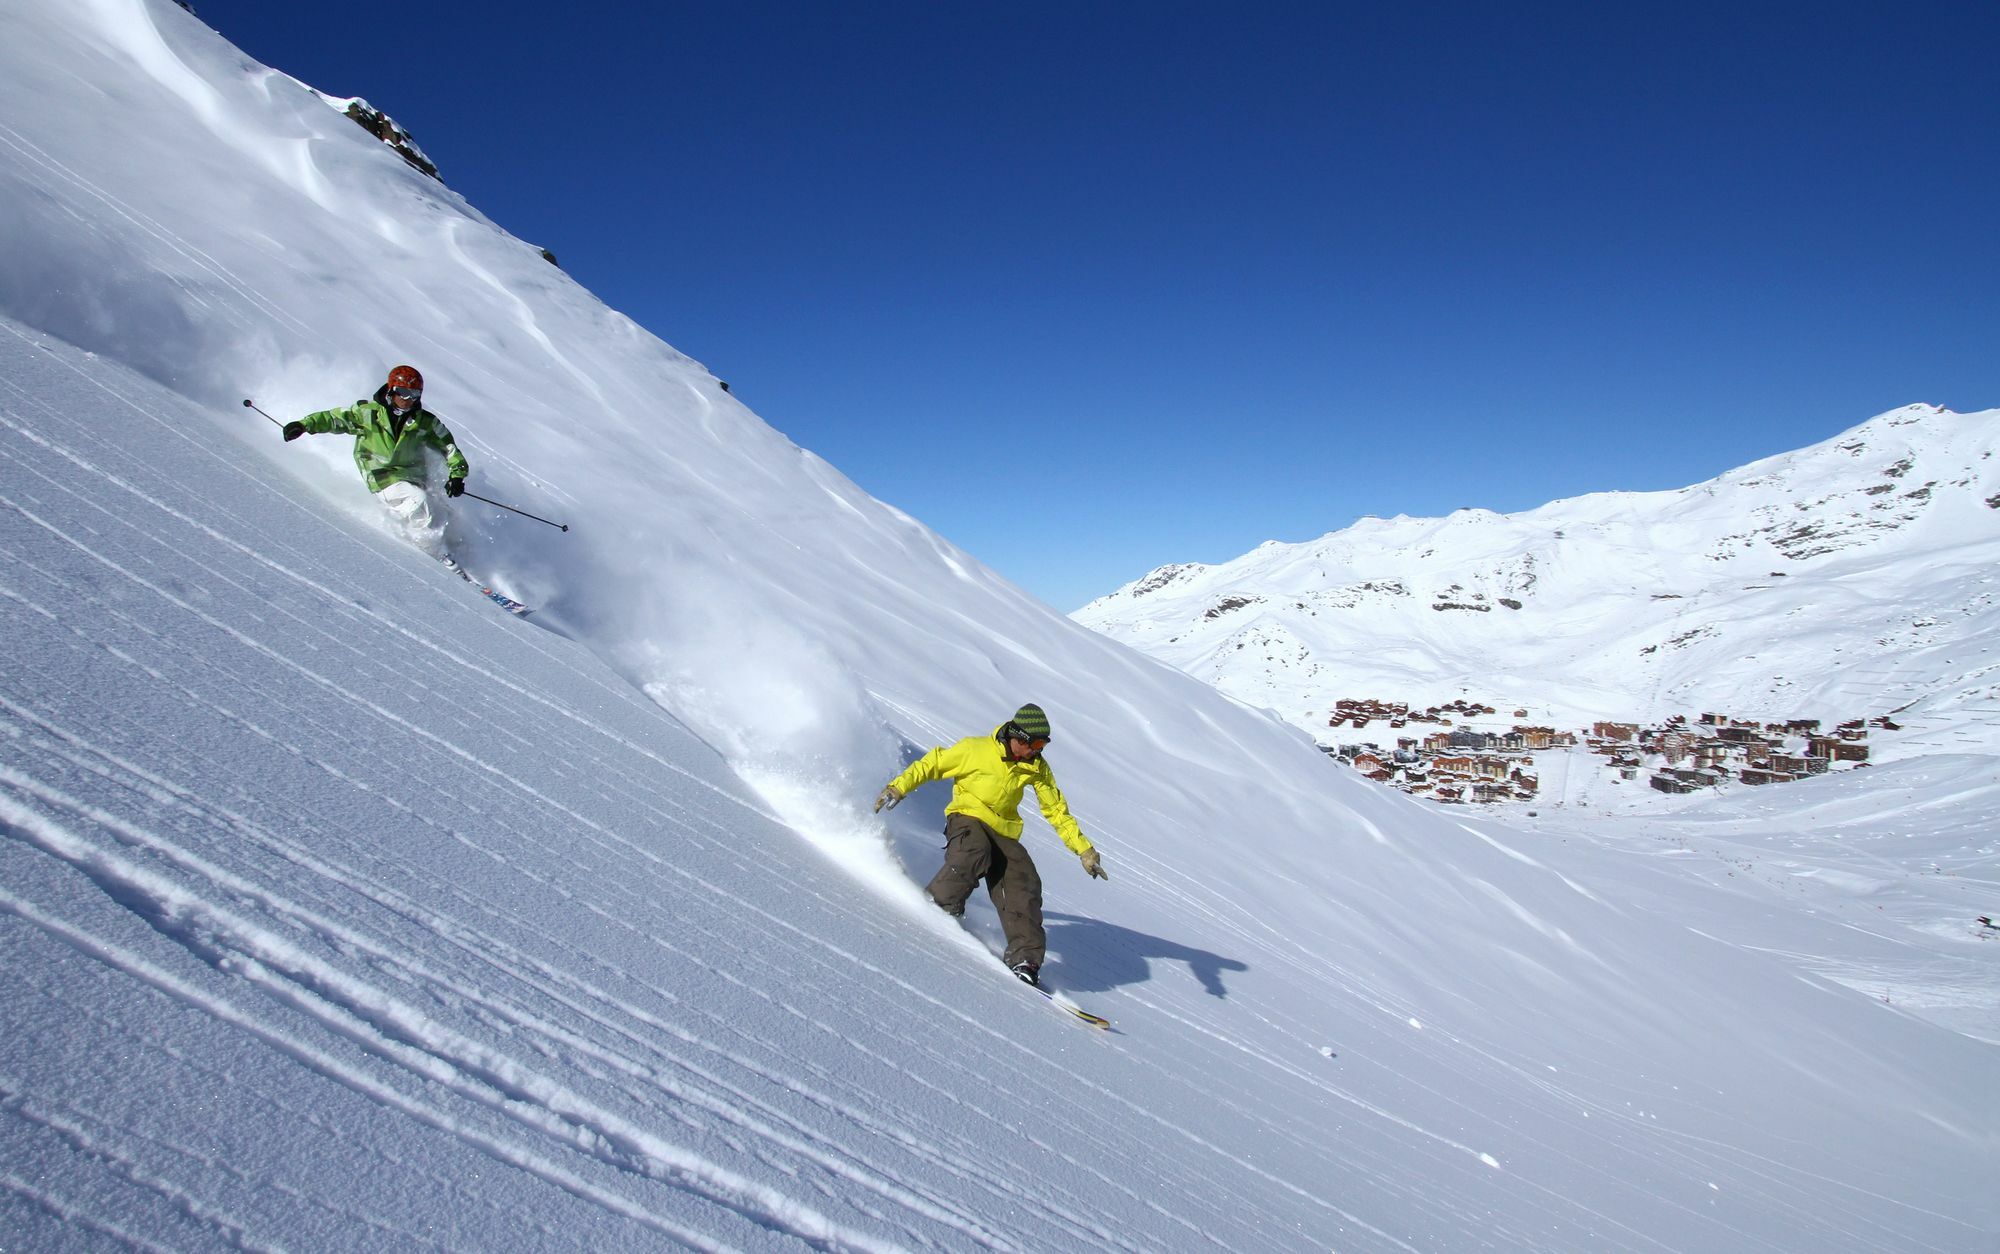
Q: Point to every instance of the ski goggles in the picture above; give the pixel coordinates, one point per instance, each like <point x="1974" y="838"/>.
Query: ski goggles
<point x="406" y="394"/>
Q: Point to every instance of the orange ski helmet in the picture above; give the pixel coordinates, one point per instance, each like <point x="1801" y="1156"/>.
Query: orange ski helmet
<point x="406" y="377"/>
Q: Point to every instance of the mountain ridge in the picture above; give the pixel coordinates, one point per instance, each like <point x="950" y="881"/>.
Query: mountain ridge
<point x="1626" y="604"/>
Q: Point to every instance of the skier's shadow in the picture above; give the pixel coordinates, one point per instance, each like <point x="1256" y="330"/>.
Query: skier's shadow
<point x="1119" y="955"/>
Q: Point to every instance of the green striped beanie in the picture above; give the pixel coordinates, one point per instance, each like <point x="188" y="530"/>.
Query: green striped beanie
<point x="1031" y="722"/>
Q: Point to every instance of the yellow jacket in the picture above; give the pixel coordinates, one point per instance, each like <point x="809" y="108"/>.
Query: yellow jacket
<point x="988" y="787"/>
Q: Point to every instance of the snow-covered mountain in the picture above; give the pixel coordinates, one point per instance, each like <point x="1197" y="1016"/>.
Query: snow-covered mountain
<point x="1853" y="578"/>
<point x="340" y="910"/>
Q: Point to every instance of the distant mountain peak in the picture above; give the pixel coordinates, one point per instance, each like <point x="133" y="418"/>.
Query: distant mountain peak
<point x="1783" y="588"/>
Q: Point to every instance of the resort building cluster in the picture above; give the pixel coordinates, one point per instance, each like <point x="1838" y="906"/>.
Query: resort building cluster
<point x="1457" y="765"/>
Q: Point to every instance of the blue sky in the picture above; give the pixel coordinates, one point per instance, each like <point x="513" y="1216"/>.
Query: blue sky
<point x="1090" y="288"/>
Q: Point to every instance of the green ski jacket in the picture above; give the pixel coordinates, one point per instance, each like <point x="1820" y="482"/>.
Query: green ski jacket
<point x="388" y="451"/>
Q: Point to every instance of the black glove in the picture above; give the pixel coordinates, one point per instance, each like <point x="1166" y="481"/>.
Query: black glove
<point x="454" y="487"/>
<point x="293" y="430"/>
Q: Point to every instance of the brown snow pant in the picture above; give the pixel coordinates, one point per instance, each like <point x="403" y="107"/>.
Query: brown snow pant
<point x="975" y="852"/>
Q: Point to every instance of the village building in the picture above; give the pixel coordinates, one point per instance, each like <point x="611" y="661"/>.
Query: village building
<point x="1837" y="749"/>
<point x="1757" y="775"/>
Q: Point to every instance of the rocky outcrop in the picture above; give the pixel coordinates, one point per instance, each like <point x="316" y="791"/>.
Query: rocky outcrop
<point x="384" y="128"/>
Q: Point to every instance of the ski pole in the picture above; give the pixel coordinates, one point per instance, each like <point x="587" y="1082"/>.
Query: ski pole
<point x="249" y="404"/>
<point x="523" y="513"/>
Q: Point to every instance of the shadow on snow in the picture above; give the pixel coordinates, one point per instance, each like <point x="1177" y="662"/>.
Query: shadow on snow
<point x="1119" y="955"/>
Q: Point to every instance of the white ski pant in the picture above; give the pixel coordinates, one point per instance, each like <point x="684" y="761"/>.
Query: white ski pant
<point x="411" y="507"/>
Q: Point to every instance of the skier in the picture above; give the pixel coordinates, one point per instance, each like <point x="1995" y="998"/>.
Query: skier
<point x="391" y="430"/>
<point x="982" y="828"/>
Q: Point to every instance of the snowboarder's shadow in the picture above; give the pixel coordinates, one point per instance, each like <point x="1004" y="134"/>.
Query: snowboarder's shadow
<point x="1119" y="955"/>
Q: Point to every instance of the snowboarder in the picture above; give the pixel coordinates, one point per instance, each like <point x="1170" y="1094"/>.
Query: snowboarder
<point x="391" y="430"/>
<point x="982" y="828"/>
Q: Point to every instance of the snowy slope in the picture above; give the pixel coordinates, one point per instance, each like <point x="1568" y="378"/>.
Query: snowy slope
<point x="1848" y="579"/>
<point x="341" y="910"/>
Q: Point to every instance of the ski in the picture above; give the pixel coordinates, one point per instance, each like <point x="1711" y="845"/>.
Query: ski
<point x="1096" y="1021"/>
<point x="500" y="599"/>
<point x="504" y="602"/>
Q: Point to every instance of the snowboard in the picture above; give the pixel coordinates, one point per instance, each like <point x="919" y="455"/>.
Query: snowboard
<point x="1064" y="1003"/>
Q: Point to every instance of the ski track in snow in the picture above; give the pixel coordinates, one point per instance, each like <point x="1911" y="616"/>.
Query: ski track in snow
<point x="266" y="960"/>
<point x="1772" y="1181"/>
<point x="481" y="950"/>
<point x="120" y="882"/>
<point x="55" y="171"/>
